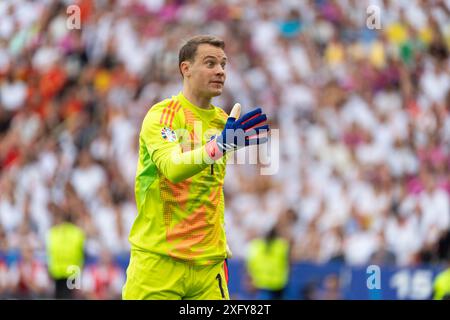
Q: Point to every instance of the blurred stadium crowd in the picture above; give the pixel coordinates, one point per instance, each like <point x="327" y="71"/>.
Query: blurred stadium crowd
<point x="364" y="119"/>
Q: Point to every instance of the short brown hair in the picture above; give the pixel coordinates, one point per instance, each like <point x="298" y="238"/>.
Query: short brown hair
<point x="189" y="49"/>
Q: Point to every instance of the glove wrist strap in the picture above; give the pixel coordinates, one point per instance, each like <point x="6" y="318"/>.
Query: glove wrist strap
<point x="213" y="150"/>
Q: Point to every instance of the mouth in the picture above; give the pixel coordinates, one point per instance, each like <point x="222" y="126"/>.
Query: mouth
<point x="217" y="82"/>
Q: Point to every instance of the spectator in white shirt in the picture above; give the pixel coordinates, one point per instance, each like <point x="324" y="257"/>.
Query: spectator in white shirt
<point x="88" y="177"/>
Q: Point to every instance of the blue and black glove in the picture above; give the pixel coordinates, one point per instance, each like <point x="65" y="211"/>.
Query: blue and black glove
<point x="239" y="133"/>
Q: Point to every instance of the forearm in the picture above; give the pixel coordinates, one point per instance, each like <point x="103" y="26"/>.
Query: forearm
<point x="178" y="166"/>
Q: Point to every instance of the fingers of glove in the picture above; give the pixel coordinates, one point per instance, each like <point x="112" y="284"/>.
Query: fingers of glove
<point x="259" y="140"/>
<point x="254" y="131"/>
<point x="256" y="115"/>
<point x="248" y="115"/>
<point x="240" y="137"/>
<point x="254" y="122"/>
<point x="230" y="134"/>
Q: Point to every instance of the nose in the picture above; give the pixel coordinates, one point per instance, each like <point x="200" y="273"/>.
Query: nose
<point x="220" y="70"/>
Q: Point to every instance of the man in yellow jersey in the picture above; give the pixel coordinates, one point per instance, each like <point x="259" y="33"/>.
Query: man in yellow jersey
<point x="441" y="285"/>
<point x="178" y="242"/>
<point x="268" y="265"/>
<point x="65" y="253"/>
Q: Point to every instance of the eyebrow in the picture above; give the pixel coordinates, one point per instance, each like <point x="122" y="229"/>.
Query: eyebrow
<point x="215" y="58"/>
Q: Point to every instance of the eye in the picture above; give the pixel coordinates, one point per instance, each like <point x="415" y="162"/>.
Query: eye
<point x="223" y="65"/>
<point x="210" y="64"/>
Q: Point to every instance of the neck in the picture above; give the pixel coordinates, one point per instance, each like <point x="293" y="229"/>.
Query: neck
<point x="197" y="99"/>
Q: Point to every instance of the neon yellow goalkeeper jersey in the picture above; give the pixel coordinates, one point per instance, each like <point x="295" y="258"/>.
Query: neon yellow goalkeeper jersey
<point x="179" y="195"/>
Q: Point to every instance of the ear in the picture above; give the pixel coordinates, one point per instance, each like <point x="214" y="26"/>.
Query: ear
<point x="185" y="68"/>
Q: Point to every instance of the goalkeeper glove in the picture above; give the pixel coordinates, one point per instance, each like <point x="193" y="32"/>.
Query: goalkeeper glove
<point x="239" y="133"/>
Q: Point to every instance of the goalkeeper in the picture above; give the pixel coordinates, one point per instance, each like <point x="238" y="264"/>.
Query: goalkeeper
<point x="178" y="242"/>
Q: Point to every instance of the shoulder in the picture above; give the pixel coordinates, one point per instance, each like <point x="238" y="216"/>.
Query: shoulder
<point x="160" y="106"/>
<point x="256" y="243"/>
<point x="444" y="275"/>
<point x="163" y="112"/>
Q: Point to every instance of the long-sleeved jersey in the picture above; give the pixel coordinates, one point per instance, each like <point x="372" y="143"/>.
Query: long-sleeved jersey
<point x="178" y="188"/>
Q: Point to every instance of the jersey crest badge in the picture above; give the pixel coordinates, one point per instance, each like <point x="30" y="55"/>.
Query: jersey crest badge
<point x="168" y="134"/>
